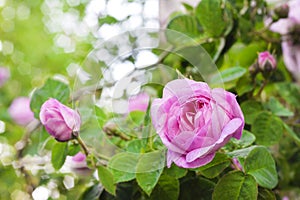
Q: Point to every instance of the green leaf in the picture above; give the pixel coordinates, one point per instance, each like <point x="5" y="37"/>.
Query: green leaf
<point x="92" y="193"/>
<point x="51" y="89"/>
<point x="175" y="171"/>
<point x="136" y="117"/>
<point x="184" y="24"/>
<point x="260" y="164"/>
<point x="167" y="188"/>
<point x="59" y="154"/>
<point x="292" y="134"/>
<point x="235" y="185"/>
<point x="101" y="116"/>
<point x="241" y="152"/>
<point x="123" y="166"/>
<point x="251" y="109"/>
<point x="215" y="167"/>
<point x="107" y="20"/>
<point x="278" y="109"/>
<point x="246" y="140"/>
<point x="107" y="180"/>
<point x="196" y="188"/>
<point x="267" y="129"/>
<point x="149" y="169"/>
<point x="214" y="16"/>
<point x="290" y="92"/>
<point x="229" y="74"/>
<point x="137" y="146"/>
<point x="265" y="194"/>
<point x="73" y="149"/>
<point x="244" y="85"/>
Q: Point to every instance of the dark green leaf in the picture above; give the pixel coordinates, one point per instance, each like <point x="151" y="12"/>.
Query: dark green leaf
<point x="92" y="193"/>
<point x="175" y="171"/>
<point x="149" y="169"/>
<point x="196" y="187"/>
<point x="123" y="166"/>
<point x="290" y="93"/>
<point x="292" y="134"/>
<point x="167" y="188"/>
<point x="73" y="149"/>
<point x="59" y="154"/>
<point x="267" y="128"/>
<point x="244" y="85"/>
<point x="265" y="194"/>
<point x="51" y="89"/>
<point x="235" y="185"/>
<point x="260" y="164"/>
<point x="107" y="179"/>
<point x="251" y="109"/>
<point x="215" y="167"/>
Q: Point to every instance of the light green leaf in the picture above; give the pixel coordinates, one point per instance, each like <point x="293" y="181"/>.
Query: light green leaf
<point x="229" y="74"/>
<point x="123" y="166"/>
<point x="107" y="20"/>
<point x="215" y="167"/>
<point x="278" y="109"/>
<point x="235" y="185"/>
<point x="59" y="154"/>
<point x="260" y="164"/>
<point x="244" y="85"/>
<point x="250" y="110"/>
<point x="212" y="14"/>
<point x="101" y="116"/>
<point x="167" y="188"/>
<point x="267" y="128"/>
<point x="136" y="117"/>
<point x="51" y="89"/>
<point x="246" y="140"/>
<point x="107" y="180"/>
<point x="185" y="24"/>
<point x="149" y="169"/>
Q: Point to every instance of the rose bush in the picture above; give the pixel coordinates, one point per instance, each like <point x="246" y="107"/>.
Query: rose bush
<point x="59" y="120"/>
<point x="194" y="121"/>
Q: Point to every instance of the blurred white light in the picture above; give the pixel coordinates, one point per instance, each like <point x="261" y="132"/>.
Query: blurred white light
<point x="145" y="58"/>
<point x="23" y="12"/>
<point x="117" y="9"/>
<point x="2" y="3"/>
<point x="2" y="127"/>
<point x="107" y="31"/>
<point x="73" y="2"/>
<point x="8" y="13"/>
<point x="68" y="182"/>
<point x="7" y="47"/>
<point x="151" y="9"/>
<point x="41" y="193"/>
<point x="119" y="70"/>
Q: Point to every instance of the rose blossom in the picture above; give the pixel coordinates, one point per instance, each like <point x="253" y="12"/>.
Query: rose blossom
<point x="289" y="29"/>
<point x="266" y="61"/>
<point x="194" y="121"/>
<point x="138" y="102"/>
<point x="4" y="75"/>
<point x="59" y="120"/>
<point x="20" y="111"/>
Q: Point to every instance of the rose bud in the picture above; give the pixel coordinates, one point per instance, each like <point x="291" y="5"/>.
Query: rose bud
<point x="266" y="62"/>
<point x="194" y="121"/>
<point x="138" y="102"/>
<point x="236" y="164"/>
<point x="20" y="111"/>
<point x="4" y="75"/>
<point x="282" y="11"/>
<point x="59" y="120"/>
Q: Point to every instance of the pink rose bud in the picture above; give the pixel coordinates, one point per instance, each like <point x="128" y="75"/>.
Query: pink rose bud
<point x="79" y="161"/>
<point x="236" y="164"/>
<point x="4" y="75"/>
<point x="194" y="121"/>
<point x="266" y="61"/>
<point x="59" y="120"/>
<point x="139" y="102"/>
<point x="282" y="11"/>
<point x="20" y="111"/>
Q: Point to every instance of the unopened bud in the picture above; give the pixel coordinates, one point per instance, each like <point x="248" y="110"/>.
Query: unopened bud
<point x="266" y="62"/>
<point x="282" y="11"/>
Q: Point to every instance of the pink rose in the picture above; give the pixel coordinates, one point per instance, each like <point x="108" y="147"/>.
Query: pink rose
<point x="266" y="61"/>
<point x="139" y="102"/>
<point x="194" y="121"/>
<point x="59" y="120"/>
<point x="4" y="75"/>
<point x="20" y="111"/>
